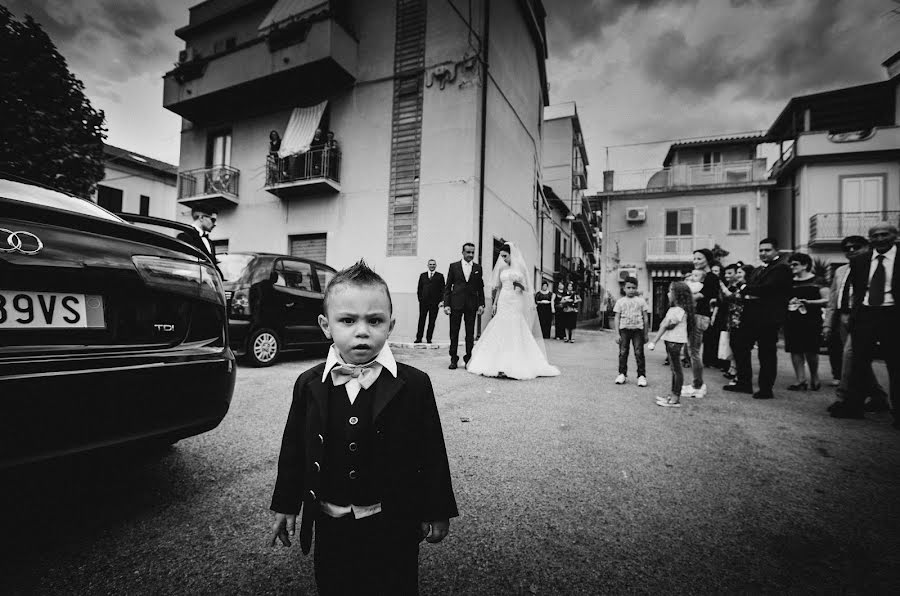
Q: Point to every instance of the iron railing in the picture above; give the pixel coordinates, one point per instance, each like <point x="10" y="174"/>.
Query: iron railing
<point x="311" y="165"/>
<point x="676" y="248"/>
<point x="832" y="227"/>
<point x="217" y="180"/>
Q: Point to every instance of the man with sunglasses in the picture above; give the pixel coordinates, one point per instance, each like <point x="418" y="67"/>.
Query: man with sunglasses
<point x="837" y="323"/>
<point x="204" y="220"/>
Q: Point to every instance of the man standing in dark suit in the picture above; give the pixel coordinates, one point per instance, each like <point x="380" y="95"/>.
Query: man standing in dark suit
<point x="463" y="299"/>
<point x="203" y="224"/>
<point x="874" y="318"/>
<point x="430" y="292"/>
<point x="765" y="308"/>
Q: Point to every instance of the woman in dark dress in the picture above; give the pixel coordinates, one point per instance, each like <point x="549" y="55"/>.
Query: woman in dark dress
<point x="803" y="326"/>
<point x="570" y="302"/>
<point x="557" y="309"/>
<point x="544" y="301"/>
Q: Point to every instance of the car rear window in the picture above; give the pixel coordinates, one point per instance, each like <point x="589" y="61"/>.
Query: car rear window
<point x="35" y="195"/>
<point x="233" y="265"/>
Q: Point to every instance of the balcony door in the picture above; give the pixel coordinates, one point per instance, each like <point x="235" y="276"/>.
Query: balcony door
<point x="679" y="231"/>
<point x="862" y="203"/>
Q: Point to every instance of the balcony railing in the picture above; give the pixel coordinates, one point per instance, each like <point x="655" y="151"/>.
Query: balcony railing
<point x="830" y="228"/>
<point x="313" y="172"/>
<point x="675" y="249"/>
<point x="729" y="172"/>
<point x="216" y="186"/>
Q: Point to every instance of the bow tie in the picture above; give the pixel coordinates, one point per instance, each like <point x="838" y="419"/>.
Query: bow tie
<point x="364" y="374"/>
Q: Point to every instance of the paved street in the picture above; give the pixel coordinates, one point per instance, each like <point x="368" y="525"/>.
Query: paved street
<point x="568" y="485"/>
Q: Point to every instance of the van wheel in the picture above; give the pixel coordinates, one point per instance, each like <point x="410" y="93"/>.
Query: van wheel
<point x="263" y="347"/>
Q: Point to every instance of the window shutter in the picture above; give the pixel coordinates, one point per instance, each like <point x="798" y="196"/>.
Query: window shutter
<point x="309" y="246"/>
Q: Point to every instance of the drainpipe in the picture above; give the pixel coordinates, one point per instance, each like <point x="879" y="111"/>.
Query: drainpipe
<point x="485" y="49"/>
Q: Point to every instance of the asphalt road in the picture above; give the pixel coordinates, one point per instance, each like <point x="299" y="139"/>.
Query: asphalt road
<point x="569" y="485"/>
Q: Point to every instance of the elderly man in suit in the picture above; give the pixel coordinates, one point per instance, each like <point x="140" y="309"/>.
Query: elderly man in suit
<point x="765" y="308"/>
<point x="463" y="300"/>
<point x="204" y="220"/>
<point x="837" y="327"/>
<point x="874" y="318"/>
<point x="430" y="293"/>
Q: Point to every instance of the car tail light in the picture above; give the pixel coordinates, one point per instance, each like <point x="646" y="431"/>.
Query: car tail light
<point x="240" y="303"/>
<point x="196" y="280"/>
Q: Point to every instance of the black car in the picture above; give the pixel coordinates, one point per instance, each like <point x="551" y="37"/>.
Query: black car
<point x="109" y="333"/>
<point x="274" y="302"/>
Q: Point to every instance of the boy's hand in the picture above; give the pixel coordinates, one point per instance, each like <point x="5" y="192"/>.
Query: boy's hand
<point x="446" y="310"/>
<point x="283" y="528"/>
<point x="435" y="531"/>
<point x="618" y="339"/>
<point x="650" y="345"/>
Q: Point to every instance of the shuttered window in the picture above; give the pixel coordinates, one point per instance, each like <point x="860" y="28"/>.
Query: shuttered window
<point x="406" y="137"/>
<point x="309" y="246"/>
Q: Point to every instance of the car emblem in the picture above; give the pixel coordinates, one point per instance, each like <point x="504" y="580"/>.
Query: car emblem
<point x="20" y="241"/>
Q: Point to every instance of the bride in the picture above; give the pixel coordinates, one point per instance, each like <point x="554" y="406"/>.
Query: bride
<point x="512" y="344"/>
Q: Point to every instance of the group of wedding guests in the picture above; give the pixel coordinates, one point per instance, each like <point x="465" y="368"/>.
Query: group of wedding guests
<point x="558" y="308"/>
<point x="718" y="314"/>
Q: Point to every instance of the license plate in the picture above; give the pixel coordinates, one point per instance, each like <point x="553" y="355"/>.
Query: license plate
<point x="50" y="310"/>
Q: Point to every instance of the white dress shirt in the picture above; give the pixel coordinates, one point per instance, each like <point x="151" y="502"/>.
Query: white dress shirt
<point x="467" y="269"/>
<point x="204" y="236"/>
<point x="384" y="361"/>
<point x="888" y="261"/>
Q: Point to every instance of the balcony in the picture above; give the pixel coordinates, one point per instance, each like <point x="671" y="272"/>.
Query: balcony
<point x="294" y="65"/>
<point x="722" y="174"/>
<point x="675" y="249"/>
<point x="214" y="187"/>
<point x="315" y="172"/>
<point x="830" y="228"/>
<point x="584" y="232"/>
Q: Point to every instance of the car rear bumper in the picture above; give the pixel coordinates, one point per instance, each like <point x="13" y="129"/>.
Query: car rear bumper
<point x="57" y="407"/>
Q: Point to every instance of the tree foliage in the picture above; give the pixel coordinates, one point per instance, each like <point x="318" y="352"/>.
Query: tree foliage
<point x="49" y="133"/>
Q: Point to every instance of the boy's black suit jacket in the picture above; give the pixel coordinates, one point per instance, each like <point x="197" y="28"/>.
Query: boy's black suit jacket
<point x="772" y="287"/>
<point x="431" y="291"/>
<point x="859" y="277"/>
<point x="410" y="459"/>
<point x="460" y="294"/>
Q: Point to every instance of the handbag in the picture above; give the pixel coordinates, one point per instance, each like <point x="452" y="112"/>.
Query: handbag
<point x="725" y="352"/>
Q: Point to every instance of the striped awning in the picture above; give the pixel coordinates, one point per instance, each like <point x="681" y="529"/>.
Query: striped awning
<point x="285" y="10"/>
<point x="301" y="129"/>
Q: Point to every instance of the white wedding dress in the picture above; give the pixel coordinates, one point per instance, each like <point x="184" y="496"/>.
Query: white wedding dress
<point x="508" y="346"/>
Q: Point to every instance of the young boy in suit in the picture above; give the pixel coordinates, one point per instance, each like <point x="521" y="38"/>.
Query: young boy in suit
<point x="363" y="452"/>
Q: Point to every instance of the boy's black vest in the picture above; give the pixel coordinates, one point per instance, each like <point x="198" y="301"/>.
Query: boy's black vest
<point x="348" y="473"/>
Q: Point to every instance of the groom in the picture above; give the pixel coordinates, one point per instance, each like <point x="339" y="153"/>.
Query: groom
<point x="463" y="299"/>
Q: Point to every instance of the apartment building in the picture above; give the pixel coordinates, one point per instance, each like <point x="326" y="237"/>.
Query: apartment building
<point x="710" y="192"/>
<point x="568" y="227"/>
<point x="435" y="111"/>
<point x="135" y="183"/>
<point x="839" y="166"/>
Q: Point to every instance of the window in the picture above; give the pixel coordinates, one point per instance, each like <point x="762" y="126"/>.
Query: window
<point x="710" y="158"/>
<point x="862" y="194"/>
<point x="295" y="275"/>
<point x="309" y="246"/>
<point x="144" y="208"/>
<point x="220" y="247"/>
<point x="738" y="219"/>
<point x="219" y="149"/>
<point x="679" y="222"/>
<point x="325" y="276"/>
<point x="109" y="198"/>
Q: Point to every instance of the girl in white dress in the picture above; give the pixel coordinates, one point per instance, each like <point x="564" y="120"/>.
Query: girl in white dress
<point x="512" y="344"/>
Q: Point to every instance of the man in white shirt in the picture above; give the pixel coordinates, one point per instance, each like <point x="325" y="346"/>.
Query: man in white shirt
<point x="875" y="317"/>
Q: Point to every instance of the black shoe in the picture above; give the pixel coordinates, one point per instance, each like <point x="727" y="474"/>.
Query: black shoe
<point x="428" y="341"/>
<point x="798" y="387"/>
<point x="845" y="411"/>
<point x="453" y="366"/>
<point x="836" y="405"/>
<point x="418" y="341"/>
<point x="738" y="388"/>
<point x="876" y="405"/>
<point x="763" y="395"/>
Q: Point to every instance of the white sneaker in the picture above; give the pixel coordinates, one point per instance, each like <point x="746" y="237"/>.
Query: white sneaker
<point x="620" y="380"/>
<point x="699" y="393"/>
<point x="687" y="391"/>
<point x="642" y="381"/>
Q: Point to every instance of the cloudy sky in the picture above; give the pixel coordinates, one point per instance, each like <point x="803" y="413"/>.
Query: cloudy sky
<point x="639" y="70"/>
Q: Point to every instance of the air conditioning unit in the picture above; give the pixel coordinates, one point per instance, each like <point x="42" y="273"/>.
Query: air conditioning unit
<point x="636" y="214"/>
<point x="626" y="272"/>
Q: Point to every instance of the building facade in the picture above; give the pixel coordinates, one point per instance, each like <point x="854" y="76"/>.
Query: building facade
<point x="568" y="227"/>
<point x="839" y="166"/>
<point x="135" y="183"/>
<point x="435" y="113"/>
<point x="709" y="193"/>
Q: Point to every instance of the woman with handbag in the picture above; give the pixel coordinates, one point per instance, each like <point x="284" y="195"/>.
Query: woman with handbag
<point x="703" y="260"/>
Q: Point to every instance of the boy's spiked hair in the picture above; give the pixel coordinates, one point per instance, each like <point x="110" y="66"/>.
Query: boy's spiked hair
<point x="358" y="274"/>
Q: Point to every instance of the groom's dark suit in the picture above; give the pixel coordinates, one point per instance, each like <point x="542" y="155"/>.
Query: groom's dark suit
<point x="464" y="298"/>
